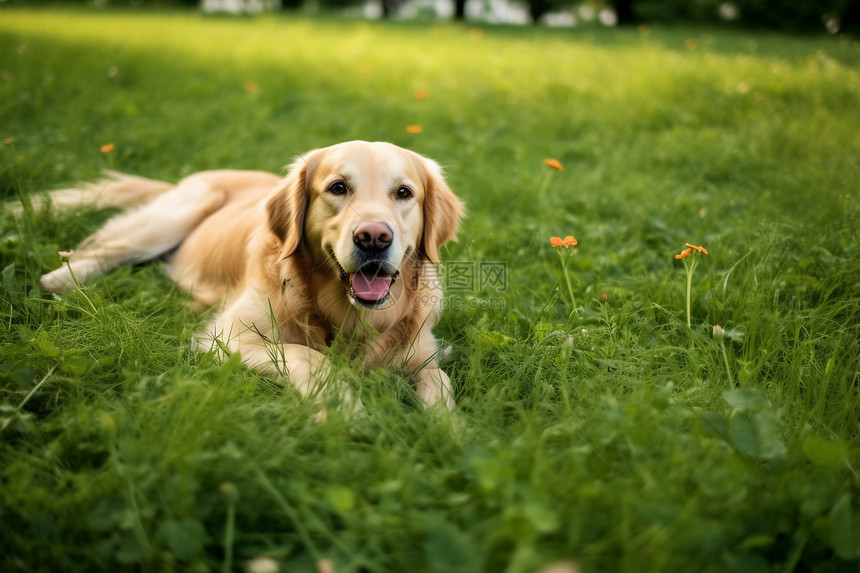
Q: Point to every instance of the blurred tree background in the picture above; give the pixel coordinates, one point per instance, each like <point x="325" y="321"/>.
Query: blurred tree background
<point x="787" y="15"/>
<point x="796" y="16"/>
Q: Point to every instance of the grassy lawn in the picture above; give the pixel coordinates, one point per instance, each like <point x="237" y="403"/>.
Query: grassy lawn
<point x="599" y="429"/>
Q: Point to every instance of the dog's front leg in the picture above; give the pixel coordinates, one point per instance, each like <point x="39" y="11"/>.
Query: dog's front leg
<point x="305" y="368"/>
<point x="308" y="370"/>
<point x="431" y="382"/>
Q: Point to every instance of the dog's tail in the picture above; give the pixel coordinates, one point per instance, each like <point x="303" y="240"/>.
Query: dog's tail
<point x="114" y="189"/>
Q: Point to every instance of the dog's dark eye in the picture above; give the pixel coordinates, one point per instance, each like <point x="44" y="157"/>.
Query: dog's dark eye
<point x="337" y="188"/>
<point x="404" y="193"/>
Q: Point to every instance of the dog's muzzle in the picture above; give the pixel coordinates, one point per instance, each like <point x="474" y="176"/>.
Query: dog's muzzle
<point x="369" y="286"/>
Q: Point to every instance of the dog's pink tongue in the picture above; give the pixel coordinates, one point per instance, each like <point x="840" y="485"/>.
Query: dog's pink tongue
<point x="372" y="288"/>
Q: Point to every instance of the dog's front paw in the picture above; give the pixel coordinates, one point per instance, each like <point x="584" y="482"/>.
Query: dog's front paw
<point x="338" y="395"/>
<point x="433" y="386"/>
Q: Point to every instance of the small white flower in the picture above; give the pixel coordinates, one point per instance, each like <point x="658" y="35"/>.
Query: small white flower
<point x="262" y="565"/>
<point x="728" y="11"/>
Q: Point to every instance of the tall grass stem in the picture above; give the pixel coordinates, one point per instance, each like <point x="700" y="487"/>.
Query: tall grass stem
<point x="36" y="388"/>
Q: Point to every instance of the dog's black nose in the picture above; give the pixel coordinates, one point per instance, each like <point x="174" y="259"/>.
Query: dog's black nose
<point x="372" y="237"/>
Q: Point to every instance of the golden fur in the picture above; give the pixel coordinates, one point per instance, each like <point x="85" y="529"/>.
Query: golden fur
<point x="278" y="256"/>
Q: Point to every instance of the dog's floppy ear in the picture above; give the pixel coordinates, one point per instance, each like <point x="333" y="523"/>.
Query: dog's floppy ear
<point x="442" y="212"/>
<point x="287" y="207"/>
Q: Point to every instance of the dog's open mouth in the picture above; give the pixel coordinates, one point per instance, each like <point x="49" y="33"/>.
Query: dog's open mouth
<point x="370" y="285"/>
<point x="370" y="288"/>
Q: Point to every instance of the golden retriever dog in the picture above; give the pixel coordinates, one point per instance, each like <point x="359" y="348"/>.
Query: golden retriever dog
<point x="346" y="244"/>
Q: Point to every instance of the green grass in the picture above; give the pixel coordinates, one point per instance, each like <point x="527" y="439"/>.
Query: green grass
<point x="610" y="434"/>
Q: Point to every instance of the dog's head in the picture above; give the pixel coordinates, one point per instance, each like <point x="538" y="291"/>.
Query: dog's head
<point x="362" y="210"/>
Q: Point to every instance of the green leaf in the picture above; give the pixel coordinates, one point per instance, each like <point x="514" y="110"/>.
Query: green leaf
<point x="19" y="421"/>
<point x="745" y="400"/>
<point x="714" y="423"/>
<point x="825" y="453"/>
<point x="722" y="482"/>
<point x="76" y="365"/>
<point x="491" y="339"/>
<point x="42" y="346"/>
<point x="745" y="563"/>
<point x="341" y="498"/>
<point x="8" y="275"/>
<point x="108" y="513"/>
<point x="130" y="548"/>
<point x="446" y="547"/>
<point x="757" y="541"/>
<point x="42" y="526"/>
<point x="24" y="423"/>
<point x="544" y="329"/>
<point x="184" y="537"/>
<point x="845" y="529"/>
<point x="540" y="515"/>
<point x="757" y="437"/>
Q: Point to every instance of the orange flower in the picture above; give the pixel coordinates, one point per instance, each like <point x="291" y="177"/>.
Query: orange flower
<point x="421" y="94"/>
<point x="702" y="250"/>
<point x="250" y="87"/>
<point x="554" y="163"/>
<point x="9" y="140"/>
<point x="566" y="242"/>
<point x="413" y="129"/>
<point x="106" y="148"/>
<point x="684" y="253"/>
